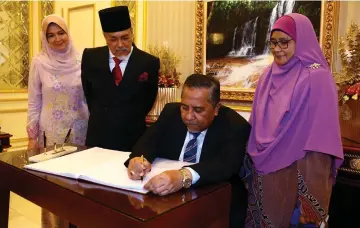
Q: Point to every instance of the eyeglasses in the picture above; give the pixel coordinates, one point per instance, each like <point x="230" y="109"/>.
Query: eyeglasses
<point x="283" y="44"/>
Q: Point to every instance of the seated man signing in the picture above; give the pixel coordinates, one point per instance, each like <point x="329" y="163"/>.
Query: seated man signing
<point x="198" y="130"/>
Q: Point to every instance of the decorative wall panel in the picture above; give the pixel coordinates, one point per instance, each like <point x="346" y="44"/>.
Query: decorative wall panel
<point x="14" y="44"/>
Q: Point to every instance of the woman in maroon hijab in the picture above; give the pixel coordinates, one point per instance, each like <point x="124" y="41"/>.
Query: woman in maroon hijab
<point x="295" y="143"/>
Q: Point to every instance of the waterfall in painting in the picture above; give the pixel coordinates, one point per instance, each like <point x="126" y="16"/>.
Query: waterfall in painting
<point x="283" y="7"/>
<point x="248" y="40"/>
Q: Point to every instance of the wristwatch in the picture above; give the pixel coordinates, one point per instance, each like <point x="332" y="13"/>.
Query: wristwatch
<point x="186" y="181"/>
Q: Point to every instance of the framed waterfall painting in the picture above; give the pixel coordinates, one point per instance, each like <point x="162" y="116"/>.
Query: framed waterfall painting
<point x="232" y="39"/>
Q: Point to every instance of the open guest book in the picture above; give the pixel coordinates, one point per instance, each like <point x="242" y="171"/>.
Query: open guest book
<point x="102" y="166"/>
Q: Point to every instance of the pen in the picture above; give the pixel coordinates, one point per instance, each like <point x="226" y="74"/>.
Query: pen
<point x="44" y="142"/>
<point x="67" y="137"/>
<point x="142" y="162"/>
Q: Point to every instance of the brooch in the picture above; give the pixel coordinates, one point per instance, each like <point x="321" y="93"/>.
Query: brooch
<point x="78" y="59"/>
<point x="315" y="66"/>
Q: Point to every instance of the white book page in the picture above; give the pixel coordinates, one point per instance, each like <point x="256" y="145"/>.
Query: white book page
<point x="73" y="165"/>
<point x="114" y="174"/>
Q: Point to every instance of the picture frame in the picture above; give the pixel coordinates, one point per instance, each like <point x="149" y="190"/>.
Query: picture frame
<point x="328" y="42"/>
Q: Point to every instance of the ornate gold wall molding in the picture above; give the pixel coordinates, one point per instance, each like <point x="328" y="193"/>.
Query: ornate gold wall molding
<point x="13" y="110"/>
<point x="13" y="99"/>
<point x="46" y="8"/>
<point x="330" y="23"/>
<point x="16" y="148"/>
<point x="14" y="41"/>
<point x="18" y="19"/>
<point x="13" y="91"/>
<point x="237" y="95"/>
<point x="199" y="37"/>
<point x="18" y="140"/>
<point x="240" y="108"/>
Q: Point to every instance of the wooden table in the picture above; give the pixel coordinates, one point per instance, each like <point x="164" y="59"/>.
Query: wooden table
<point x="90" y="205"/>
<point x="5" y="139"/>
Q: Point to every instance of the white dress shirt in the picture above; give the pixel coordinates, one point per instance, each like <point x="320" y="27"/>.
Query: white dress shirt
<point x="124" y="61"/>
<point x="200" y="141"/>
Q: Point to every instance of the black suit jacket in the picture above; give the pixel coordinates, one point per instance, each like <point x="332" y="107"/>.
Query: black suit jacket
<point x="117" y="113"/>
<point x="222" y="152"/>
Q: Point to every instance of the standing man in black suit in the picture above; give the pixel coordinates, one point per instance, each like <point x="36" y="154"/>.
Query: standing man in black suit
<point x="201" y="131"/>
<point x="120" y="84"/>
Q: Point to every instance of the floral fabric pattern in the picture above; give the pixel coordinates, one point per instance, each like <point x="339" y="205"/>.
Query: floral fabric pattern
<point x="56" y="104"/>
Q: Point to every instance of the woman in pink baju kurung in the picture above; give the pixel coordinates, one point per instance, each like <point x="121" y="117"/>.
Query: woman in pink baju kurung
<point x="56" y="98"/>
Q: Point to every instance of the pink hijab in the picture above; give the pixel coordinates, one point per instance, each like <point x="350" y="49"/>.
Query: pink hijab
<point x="295" y="108"/>
<point x="63" y="62"/>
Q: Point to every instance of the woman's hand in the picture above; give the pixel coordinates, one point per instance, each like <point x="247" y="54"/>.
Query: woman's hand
<point x="33" y="144"/>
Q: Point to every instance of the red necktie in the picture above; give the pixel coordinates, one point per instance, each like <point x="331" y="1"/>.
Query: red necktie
<point x="117" y="71"/>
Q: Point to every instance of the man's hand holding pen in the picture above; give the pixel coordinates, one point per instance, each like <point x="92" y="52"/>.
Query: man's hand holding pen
<point x="138" y="167"/>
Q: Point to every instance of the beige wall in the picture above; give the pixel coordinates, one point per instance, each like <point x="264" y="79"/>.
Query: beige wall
<point x="35" y="29"/>
<point x="349" y="11"/>
<point x="83" y="21"/>
<point x="173" y="22"/>
<point x="13" y="113"/>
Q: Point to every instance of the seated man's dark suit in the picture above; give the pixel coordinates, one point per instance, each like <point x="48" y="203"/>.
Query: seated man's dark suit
<point x="222" y="152"/>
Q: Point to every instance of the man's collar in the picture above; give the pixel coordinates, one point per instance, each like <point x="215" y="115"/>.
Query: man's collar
<point x="201" y="133"/>
<point x="123" y="58"/>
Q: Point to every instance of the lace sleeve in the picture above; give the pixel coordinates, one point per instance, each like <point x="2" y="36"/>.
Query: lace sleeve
<point x="34" y="101"/>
